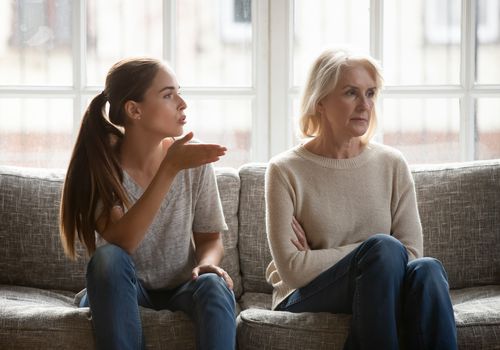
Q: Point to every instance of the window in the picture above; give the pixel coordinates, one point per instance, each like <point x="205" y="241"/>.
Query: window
<point x="436" y="68"/>
<point x="242" y="63"/>
<point x="443" y="22"/>
<point x="54" y="56"/>
<point x="440" y="102"/>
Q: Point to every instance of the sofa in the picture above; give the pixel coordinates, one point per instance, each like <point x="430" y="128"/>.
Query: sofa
<point x="459" y="206"/>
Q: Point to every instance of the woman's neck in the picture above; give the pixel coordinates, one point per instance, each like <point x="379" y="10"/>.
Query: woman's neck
<point x="141" y="157"/>
<point x="332" y="148"/>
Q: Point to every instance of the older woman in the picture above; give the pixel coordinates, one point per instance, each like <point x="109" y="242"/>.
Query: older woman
<point x="343" y="223"/>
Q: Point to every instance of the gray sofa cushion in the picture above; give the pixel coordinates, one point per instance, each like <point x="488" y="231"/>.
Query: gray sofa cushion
<point x="39" y="319"/>
<point x="253" y="247"/>
<point x="477" y="313"/>
<point x="264" y="329"/>
<point x="459" y="207"/>
<point x="31" y="253"/>
<point x="228" y="182"/>
<point x="255" y="301"/>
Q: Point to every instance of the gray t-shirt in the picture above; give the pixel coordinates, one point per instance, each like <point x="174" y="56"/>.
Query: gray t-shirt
<point x="165" y="257"/>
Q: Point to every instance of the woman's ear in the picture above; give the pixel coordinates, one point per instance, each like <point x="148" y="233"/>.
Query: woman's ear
<point x="133" y="110"/>
<point x="320" y="108"/>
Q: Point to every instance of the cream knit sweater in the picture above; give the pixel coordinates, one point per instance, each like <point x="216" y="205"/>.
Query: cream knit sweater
<point x="339" y="203"/>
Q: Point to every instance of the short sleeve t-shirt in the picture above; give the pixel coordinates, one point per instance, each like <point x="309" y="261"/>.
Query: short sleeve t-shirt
<point x="166" y="256"/>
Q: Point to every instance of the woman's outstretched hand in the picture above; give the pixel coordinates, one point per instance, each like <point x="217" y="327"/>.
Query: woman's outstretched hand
<point x="182" y="155"/>
<point x="301" y="242"/>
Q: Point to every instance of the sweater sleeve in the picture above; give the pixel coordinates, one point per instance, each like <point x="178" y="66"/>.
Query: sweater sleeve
<point x="406" y="226"/>
<point x="295" y="268"/>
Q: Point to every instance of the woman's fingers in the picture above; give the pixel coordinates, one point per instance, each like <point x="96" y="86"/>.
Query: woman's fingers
<point x="298" y="226"/>
<point x="298" y="245"/>
<point x="184" y="139"/>
<point x="298" y="231"/>
<point x="228" y="279"/>
<point x="184" y="156"/>
<point x="202" y="269"/>
<point x="301" y="235"/>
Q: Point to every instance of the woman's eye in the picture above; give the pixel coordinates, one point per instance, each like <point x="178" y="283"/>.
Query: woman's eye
<point x="351" y="93"/>
<point x="168" y="96"/>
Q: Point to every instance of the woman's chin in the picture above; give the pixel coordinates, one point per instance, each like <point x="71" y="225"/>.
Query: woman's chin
<point x="175" y="133"/>
<point x="358" y="132"/>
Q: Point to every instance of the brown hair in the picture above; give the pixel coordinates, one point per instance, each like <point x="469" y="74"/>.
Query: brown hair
<point x="94" y="173"/>
<point x="323" y="78"/>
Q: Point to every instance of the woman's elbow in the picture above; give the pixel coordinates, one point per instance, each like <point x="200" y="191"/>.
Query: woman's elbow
<point x="293" y="276"/>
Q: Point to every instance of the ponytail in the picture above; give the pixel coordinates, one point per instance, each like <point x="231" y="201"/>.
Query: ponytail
<point x="94" y="176"/>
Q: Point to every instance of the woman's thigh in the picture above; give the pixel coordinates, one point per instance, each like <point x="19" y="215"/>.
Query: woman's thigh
<point x="331" y="291"/>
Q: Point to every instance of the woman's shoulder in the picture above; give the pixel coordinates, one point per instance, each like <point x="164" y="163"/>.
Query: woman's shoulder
<point x="287" y="157"/>
<point x="386" y="152"/>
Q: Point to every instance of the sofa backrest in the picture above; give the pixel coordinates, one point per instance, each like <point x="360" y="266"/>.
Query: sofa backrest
<point x="228" y="182"/>
<point x="30" y="251"/>
<point x="459" y="207"/>
<point x="254" y="250"/>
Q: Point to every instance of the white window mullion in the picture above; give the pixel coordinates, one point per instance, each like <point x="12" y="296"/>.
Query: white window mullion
<point x="376" y="28"/>
<point x="280" y="18"/>
<point x="376" y="50"/>
<point x="467" y="77"/>
<point x="260" y="81"/>
<point x="169" y="32"/>
<point x="79" y="49"/>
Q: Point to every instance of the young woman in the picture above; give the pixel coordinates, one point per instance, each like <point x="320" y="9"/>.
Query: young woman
<point x="147" y="209"/>
<point x="343" y="222"/>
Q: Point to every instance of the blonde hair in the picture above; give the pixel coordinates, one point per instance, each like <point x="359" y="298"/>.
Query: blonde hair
<point x="323" y="77"/>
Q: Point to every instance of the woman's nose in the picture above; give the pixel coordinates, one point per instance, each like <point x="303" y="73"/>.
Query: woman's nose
<point x="182" y="104"/>
<point x="365" y="103"/>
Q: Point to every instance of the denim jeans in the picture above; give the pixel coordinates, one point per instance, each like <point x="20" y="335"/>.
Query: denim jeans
<point x="114" y="294"/>
<point x="393" y="302"/>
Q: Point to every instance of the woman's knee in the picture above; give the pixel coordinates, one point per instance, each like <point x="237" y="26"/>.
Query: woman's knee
<point x="107" y="261"/>
<point x="426" y="269"/>
<point x="386" y="249"/>
<point x="211" y="285"/>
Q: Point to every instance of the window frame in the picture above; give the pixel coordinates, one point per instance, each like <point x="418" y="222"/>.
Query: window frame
<point x="272" y="91"/>
<point x="282" y="92"/>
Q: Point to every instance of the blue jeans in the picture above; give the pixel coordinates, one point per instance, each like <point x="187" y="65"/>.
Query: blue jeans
<point x="393" y="302"/>
<point x="114" y="294"/>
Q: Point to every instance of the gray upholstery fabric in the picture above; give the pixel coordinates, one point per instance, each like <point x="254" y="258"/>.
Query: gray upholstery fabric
<point x="264" y="329"/>
<point x="459" y="207"/>
<point x="228" y="182"/>
<point x="40" y="319"/>
<point x="254" y="250"/>
<point x="460" y="211"/>
<point x="251" y="300"/>
<point x="477" y="313"/>
<point x="31" y="253"/>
